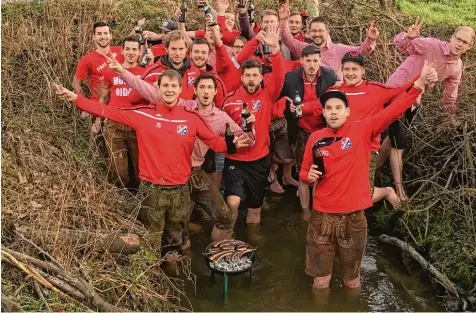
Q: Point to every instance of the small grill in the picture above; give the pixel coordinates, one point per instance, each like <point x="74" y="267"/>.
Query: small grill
<point x="229" y="257"/>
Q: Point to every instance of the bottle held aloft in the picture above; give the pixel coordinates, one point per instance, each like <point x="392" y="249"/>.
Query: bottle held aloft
<point x="245" y="114"/>
<point x="229" y="138"/>
<point x="298" y="104"/>
<point x="144" y="58"/>
<point x="183" y="12"/>
<point x="251" y="11"/>
<point x="140" y="34"/>
<point x="318" y="159"/>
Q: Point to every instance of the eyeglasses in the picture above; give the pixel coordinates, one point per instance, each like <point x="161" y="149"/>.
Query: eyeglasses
<point x="461" y="41"/>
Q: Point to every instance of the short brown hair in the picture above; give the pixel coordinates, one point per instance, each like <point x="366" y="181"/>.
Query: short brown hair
<point x="239" y="38"/>
<point x="268" y="12"/>
<point x="319" y="20"/>
<point x="174" y="36"/>
<point x="203" y="76"/>
<point x="131" y="38"/>
<point x="250" y="63"/>
<point x="200" y="41"/>
<point x="172" y="74"/>
<point x="100" y="24"/>
<point x="294" y="13"/>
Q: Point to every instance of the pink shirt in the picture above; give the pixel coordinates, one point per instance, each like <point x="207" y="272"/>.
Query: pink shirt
<point x="331" y="53"/>
<point x="216" y="119"/>
<point x="212" y="59"/>
<point x="431" y="49"/>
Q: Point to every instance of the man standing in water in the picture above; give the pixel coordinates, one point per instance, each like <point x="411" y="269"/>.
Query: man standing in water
<point x="163" y="168"/>
<point x="341" y="185"/>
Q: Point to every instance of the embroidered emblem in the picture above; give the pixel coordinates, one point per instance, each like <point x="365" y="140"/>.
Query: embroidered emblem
<point x="346" y="143"/>
<point x="256" y="105"/>
<point x="182" y="130"/>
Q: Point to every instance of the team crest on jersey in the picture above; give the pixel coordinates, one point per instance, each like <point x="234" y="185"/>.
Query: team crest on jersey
<point x="256" y="105"/>
<point x="182" y="130"/>
<point x="191" y="80"/>
<point x="346" y="143"/>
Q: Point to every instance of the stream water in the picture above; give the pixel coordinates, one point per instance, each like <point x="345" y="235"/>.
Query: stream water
<point x="278" y="280"/>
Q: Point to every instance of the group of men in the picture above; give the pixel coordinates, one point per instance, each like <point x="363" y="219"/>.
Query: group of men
<point x="286" y="94"/>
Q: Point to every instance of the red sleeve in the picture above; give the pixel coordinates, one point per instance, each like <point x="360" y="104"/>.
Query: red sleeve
<point x="158" y="50"/>
<point x="277" y="77"/>
<point x="127" y="117"/>
<point x="226" y="70"/>
<point x="200" y="33"/>
<point x="229" y="36"/>
<point x="221" y="21"/>
<point x="83" y="68"/>
<point x="278" y="108"/>
<point x="376" y="124"/>
<point x="307" y="160"/>
<point x="392" y="93"/>
<point x="248" y="50"/>
<point x="221" y="93"/>
<point x="210" y="138"/>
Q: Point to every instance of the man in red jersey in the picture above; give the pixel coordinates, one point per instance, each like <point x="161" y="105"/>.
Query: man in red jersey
<point x="121" y="140"/>
<point x="164" y="168"/>
<point x="341" y="188"/>
<point x="246" y="172"/>
<point x="366" y="98"/>
<point x="176" y="59"/>
<point x="93" y="65"/>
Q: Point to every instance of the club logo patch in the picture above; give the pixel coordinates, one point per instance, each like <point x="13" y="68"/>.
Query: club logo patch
<point x="182" y="130"/>
<point x="256" y="105"/>
<point x="353" y="54"/>
<point x="191" y="80"/>
<point x="346" y="143"/>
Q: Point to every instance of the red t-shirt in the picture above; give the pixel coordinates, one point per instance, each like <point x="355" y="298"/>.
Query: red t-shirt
<point x="94" y="66"/>
<point x="311" y="123"/>
<point x="119" y="90"/>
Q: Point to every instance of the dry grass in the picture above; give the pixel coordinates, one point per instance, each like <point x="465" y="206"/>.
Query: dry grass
<point x="52" y="179"/>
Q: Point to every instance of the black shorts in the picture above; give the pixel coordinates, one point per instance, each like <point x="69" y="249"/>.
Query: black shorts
<point x="247" y="180"/>
<point x="398" y="133"/>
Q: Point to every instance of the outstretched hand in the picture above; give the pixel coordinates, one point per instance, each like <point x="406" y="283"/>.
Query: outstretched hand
<point x="429" y="76"/>
<point x="414" y="30"/>
<point x="372" y="31"/>
<point x="114" y="65"/>
<point x="65" y="94"/>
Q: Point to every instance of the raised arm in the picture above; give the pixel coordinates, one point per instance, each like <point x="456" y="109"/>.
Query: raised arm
<point x="410" y="43"/>
<point x="295" y="46"/>
<point x="277" y="75"/>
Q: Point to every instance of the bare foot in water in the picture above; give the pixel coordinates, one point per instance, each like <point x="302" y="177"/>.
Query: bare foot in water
<point x="306" y="214"/>
<point x="254" y="216"/>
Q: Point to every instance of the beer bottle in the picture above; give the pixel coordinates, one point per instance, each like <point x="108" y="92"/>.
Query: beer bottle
<point x="229" y="137"/>
<point x="245" y="114"/>
<point x="183" y="12"/>
<point x="318" y="159"/>
<point x="266" y="49"/>
<point x="144" y="58"/>
<point x="298" y="104"/>
<point x="139" y="33"/>
<point x="251" y="11"/>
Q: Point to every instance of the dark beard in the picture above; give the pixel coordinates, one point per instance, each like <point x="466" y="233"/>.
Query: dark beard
<point x="247" y="88"/>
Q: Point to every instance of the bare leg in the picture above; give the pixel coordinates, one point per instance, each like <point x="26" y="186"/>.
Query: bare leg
<point x="234" y="203"/>
<point x="304" y="195"/>
<point x="287" y="174"/>
<point x="322" y="282"/>
<point x="384" y="153"/>
<point x="353" y="283"/>
<point x="273" y="180"/>
<point x="254" y="216"/>
<point x="396" y="163"/>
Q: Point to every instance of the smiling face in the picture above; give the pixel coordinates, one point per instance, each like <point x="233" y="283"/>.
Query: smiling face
<point x="169" y="90"/>
<point x="229" y="21"/>
<point x="318" y="33"/>
<point x="237" y="47"/>
<point x="295" y="24"/>
<point x="205" y="92"/>
<point x="352" y="73"/>
<point x="335" y="113"/>
<point x="199" y="55"/>
<point x="102" y="36"/>
<point x="130" y="51"/>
